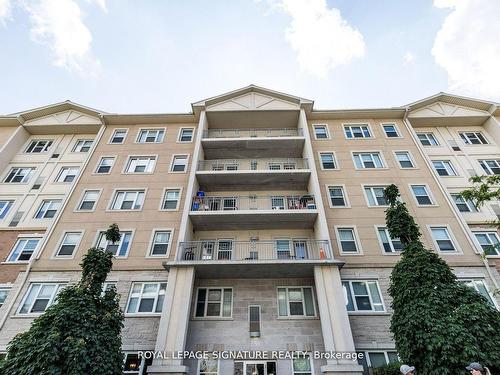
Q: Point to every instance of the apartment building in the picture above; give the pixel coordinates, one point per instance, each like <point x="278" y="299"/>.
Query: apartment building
<point x="256" y="223"/>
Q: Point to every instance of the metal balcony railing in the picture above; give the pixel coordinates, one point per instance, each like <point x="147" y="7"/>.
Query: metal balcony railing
<point x="252" y="133"/>
<point x="229" y="250"/>
<point x="238" y="203"/>
<point x="252" y="164"/>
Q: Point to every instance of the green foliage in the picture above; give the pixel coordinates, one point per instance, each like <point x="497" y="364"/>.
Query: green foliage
<point x="113" y="233"/>
<point x="438" y="324"/>
<point x="78" y="335"/>
<point x="484" y="189"/>
<point x="400" y="223"/>
<point x="390" y="369"/>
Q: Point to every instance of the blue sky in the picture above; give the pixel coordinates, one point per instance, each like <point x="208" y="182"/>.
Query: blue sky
<point x="159" y="56"/>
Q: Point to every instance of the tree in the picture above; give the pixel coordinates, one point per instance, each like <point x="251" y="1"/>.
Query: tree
<point x="439" y="325"/>
<point x="78" y="335"/>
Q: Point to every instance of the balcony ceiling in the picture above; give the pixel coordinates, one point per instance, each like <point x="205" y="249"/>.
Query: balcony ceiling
<point x="239" y="148"/>
<point x="253" y="119"/>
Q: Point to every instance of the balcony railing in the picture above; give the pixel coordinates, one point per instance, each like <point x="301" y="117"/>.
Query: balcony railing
<point x="252" y="164"/>
<point x="238" y="203"/>
<point x="252" y="133"/>
<point x="229" y="250"/>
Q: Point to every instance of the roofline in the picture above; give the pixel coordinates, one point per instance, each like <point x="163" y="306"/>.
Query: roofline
<point x="69" y="102"/>
<point x="419" y="103"/>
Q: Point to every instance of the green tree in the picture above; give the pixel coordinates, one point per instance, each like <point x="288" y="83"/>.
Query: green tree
<point x="80" y="334"/>
<point x="439" y="325"/>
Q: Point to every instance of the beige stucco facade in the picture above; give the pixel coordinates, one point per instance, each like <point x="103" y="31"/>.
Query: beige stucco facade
<point x="236" y="202"/>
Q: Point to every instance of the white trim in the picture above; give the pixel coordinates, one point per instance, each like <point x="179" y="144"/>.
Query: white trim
<point x="351" y="290"/>
<point x="393" y="252"/>
<point x="457" y="251"/>
<point x="398" y="132"/>
<point x="455" y="171"/>
<point x="162" y="200"/>
<point x="429" y="194"/>
<point x="412" y="159"/>
<point x="82" y="194"/>
<point x="172" y="163"/>
<point x="152" y="313"/>
<point x="151" y="242"/>
<point x="311" y="362"/>
<point x="357" y="240"/>
<point x="220" y="317"/>
<point x="113" y="198"/>
<point x="381" y="155"/>
<point x="328" y="135"/>
<point x="335" y="161"/>
<point x="113" y="134"/>
<point x="365" y="194"/>
<point x="21" y="237"/>
<point x="150" y="128"/>
<point x="51" y="299"/>
<point x="59" y="244"/>
<point x="288" y="316"/>
<point x="73" y="148"/>
<point x="426" y="132"/>
<point x="94" y="172"/>
<point x="358" y="124"/>
<point x="179" y="134"/>
<point x="129" y="157"/>
<point x="476" y="230"/>
<point x="344" y="192"/>
<point x="199" y="365"/>
<point x="95" y="242"/>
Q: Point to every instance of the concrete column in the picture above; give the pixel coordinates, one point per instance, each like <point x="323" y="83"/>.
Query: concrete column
<point x="174" y="321"/>
<point x="335" y="324"/>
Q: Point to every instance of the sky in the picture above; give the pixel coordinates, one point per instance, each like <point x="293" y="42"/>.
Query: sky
<point x="159" y="56"/>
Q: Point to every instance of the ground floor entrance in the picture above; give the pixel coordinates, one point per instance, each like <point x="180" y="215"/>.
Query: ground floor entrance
<point x="254" y="368"/>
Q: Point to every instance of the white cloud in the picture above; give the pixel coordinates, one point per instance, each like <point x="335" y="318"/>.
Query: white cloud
<point x="5" y="7"/>
<point x="320" y="36"/>
<point x="468" y="46"/>
<point x="59" y="25"/>
<point x="409" y="58"/>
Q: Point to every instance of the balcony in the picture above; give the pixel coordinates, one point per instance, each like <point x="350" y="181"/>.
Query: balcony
<point x="253" y="212"/>
<point x="252" y="143"/>
<point x="253" y="174"/>
<point x="273" y="259"/>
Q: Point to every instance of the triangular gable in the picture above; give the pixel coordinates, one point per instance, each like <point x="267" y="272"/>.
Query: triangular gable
<point x="70" y="117"/>
<point x="442" y="109"/>
<point x="253" y="101"/>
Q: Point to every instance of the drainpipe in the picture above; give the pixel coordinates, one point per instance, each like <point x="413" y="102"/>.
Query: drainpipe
<point x="461" y="220"/>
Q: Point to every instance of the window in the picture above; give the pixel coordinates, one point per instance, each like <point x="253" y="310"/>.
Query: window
<point x="489" y="242"/>
<point x="171" y="199"/>
<point x="214" y="302"/>
<point x="69" y="243"/>
<point x="427" y="139"/>
<point x="135" y="365"/>
<point x="390" y="130"/>
<point x="128" y="200"/>
<point x="443" y="240"/>
<point x="141" y="164"/>
<point x="296" y="301"/>
<point x="302" y="365"/>
<point x="362" y="296"/>
<point x="161" y="241"/>
<point x="404" y="159"/>
<point x="473" y="138"/>
<point x="105" y="164"/>
<point x="375" y="359"/>
<point x="118" y="249"/>
<point x="208" y="366"/>
<point x="254" y="320"/>
<point x="118" y="136"/>
<point x="376" y="196"/>
<point x="19" y="175"/>
<point x="480" y="287"/>
<point x="38" y="146"/>
<point x="327" y="160"/>
<point x="146" y="298"/>
<point x="186" y="135"/>
<point x="367" y="160"/>
<point x="39" y="297"/>
<point x="357" y="131"/>
<point x="67" y="174"/>
<point x="4" y="292"/>
<point x="321" y="132"/>
<point x="23" y="249"/>
<point x="444" y="168"/>
<point x="5" y="208"/>
<point x="490" y="166"/>
<point x="337" y="197"/>
<point x="89" y="200"/>
<point x="48" y="209"/>
<point x="464" y="205"/>
<point x="179" y="163"/>
<point x="151" y="136"/>
<point x="83" y="145"/>
<point x="389" y="245"/>
<point x="422" y="195"/>
<point x="347" y="239"/>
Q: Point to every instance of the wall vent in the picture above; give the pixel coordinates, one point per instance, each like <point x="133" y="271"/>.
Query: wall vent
<point x="37" y="183"/>
<point x="496" y="209"/>
<point x="16" y="219"/>
<point x="454" y="145"/>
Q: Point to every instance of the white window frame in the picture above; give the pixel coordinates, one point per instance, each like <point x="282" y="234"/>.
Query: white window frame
<point x="198" y="369"/>
<point x="410" y="156"/>
<point x="371" y="153"/>
<point x="371" y="191"/>
<point x="99" y="164"/>
<point x="113" y="135"/>
<point x="370" y="297"/>
<point x="152" y="243"/>
<point x="451" y="237"/>
<point x="483" y="163"/>
<point x="152" y="130"/>
<point x="82" y="197"/>
<point x="447" y="166"/>
<point x="26" y="178"/>
<point x="335" y="163"/>
<point x="327" y="131"/>
<point x="474" y="280"/>
<point x="375" y="351"/>
<point x="5" y="288"/>
<point x="381" y="242"/>
<point x="181" y="130"/>
<point x="429" y="194"/>
<point x="288" y="315"/>
<point x="311" y="363"/>
<point x="488" y="233"/>
<point x="51" y="203"/>
<point x="344" y="194"/>
<point x="61" y="243"/>
<point x="4" y="211"/>
<point x="16" y="244"/>
<point x="430" y="137"/>
<point x="141" y="368"/>
<point x="101" y="234"/>
<point x="66" y="171"/>
<point x="356" y="240"/>
<point x="349" y="126"/>
<point x="116" y="193"/>
<point x="172" y="163"/>
<point x="140" y="295"/>
<point x="467" y="140"/>
<point x="164" y="196"/>
<point x="80" y="143"/>
<point x="396" y="128"/>
<point x="150" y="159"/>
<point x="466" y="202"/>
<point x="222" y="301"/>
<point x="53" y="296"/>
<point x="45" y="149"/>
